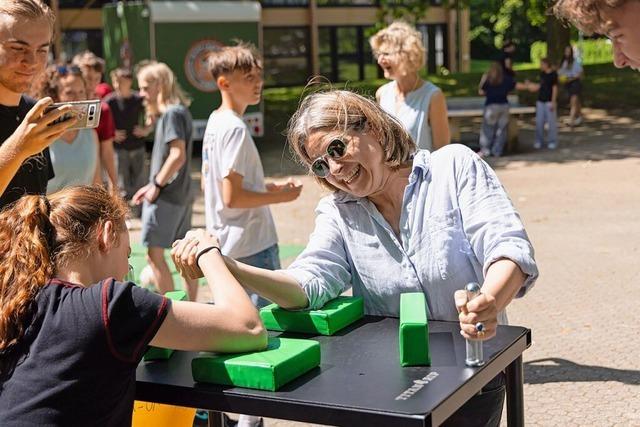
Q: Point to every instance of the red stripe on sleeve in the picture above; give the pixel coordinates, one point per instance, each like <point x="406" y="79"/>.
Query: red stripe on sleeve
<point x="153" y="328"/>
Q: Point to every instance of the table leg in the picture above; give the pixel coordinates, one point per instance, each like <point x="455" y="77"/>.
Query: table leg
<point x="215" y="419"/>
<point x="515" y="393"/>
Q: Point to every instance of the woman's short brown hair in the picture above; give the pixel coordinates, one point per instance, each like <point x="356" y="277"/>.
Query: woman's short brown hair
<point x="585" y="14"/>
<point x="347" y="111"/>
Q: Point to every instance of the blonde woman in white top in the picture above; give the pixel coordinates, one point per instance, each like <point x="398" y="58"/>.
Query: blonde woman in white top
<point x="418" y="104"/>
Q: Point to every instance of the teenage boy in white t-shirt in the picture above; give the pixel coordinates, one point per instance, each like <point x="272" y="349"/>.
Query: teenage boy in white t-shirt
<point x="236" y="196"/>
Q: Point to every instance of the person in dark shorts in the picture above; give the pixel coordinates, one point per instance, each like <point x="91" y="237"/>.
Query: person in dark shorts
<point x="166" y="199"/>
<point x="72" y="332"/>
<point x="570" y="74"/>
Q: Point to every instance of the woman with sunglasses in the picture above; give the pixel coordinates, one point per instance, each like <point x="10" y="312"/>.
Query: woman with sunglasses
<point x="418" y="104"/>
<point x="75" y="155"/>
<point x="400" y="220"/>
<point x="72" y="333"/>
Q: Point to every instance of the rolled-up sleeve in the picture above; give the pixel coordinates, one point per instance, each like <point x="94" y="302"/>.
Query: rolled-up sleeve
<point x="322" y="269"/>
<point x="490" y="221"/>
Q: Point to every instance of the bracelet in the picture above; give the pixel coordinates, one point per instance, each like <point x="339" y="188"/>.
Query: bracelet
<point x="204" y="251"/>
<point x="158" y="186"/>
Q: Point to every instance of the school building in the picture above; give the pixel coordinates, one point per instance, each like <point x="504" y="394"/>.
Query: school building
<point x="303" y="37"/>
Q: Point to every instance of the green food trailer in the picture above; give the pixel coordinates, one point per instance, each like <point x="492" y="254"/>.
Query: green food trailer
<point x="182" y="34"/>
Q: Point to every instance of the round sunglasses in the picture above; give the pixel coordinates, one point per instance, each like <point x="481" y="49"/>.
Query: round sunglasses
<point x="336" y="149"/>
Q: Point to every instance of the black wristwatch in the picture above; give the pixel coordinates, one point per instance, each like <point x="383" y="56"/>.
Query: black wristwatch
<point x="158" y="186"/>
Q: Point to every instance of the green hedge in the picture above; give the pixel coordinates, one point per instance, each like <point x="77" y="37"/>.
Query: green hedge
<point x="594" y="51"/>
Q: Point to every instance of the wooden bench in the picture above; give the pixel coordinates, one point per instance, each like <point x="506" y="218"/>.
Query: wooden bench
<point x="465" y="108"/>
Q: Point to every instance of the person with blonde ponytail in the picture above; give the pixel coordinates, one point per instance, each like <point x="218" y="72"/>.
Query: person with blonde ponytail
<point x="166" y="199"/>
<point x="72" y="333"/>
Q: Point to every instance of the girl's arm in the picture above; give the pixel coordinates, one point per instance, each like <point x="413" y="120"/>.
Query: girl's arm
<point x="232" y="324"/>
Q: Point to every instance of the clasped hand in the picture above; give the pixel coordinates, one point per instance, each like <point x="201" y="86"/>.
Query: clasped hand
<point x="184" y="252"/>
<point x="483" y="309"/>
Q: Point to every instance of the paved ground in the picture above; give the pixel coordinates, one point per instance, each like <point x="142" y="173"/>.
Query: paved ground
<point x="581" y="207"/>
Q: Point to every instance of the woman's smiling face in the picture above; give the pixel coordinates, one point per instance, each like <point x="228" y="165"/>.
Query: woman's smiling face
<point x="361" y="171"/>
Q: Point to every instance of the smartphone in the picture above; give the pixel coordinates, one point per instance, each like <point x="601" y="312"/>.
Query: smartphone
<point x="87" y="112"/>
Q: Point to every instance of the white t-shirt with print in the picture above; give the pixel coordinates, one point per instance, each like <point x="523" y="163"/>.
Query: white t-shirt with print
<point x="228" y="146"/>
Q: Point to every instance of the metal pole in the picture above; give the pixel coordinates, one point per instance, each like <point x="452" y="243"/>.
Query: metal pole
<point x="515" y="393"/>
<point x="315" y="37"/>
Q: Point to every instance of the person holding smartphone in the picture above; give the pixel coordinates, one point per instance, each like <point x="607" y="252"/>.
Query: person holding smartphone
<point x="26" y="28"/>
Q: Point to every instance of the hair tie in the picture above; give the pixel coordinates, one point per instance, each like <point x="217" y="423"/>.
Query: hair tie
<point x="47" y="204"/>
<point x="49" y="230"/>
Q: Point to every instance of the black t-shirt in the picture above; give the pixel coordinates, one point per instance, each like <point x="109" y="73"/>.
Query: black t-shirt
<point x="497" y="94"/>
<point x="503" y="59"/>
<point x="82" y="349"/>
<point x="126" y="115"/>
<point x="36" y="171"/>
<point x="547" y="82"/>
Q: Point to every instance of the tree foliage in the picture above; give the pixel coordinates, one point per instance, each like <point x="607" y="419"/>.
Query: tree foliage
<point x="494" y="21"/>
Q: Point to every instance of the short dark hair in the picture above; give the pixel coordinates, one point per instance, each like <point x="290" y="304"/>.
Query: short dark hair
<point x="243" y="57"/>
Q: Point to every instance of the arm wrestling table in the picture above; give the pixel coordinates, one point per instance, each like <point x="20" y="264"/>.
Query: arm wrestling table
<point x="359" y="381"/>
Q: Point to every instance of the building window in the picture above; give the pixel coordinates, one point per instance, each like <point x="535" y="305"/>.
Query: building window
<point x="345" y="54"/>
<point x="285" y="3"/>
<point x="434" y="37"/>
<point x="350" y="3"/>
<point x="75" y="41"/>
<point x="286" y="56"/>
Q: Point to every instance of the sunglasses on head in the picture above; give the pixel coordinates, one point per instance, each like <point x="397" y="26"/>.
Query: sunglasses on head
<point x="74" y="70"/>
<point x="336" y="149"/>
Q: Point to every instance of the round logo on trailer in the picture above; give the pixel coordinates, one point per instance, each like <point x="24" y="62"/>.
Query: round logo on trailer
<point x="196" y="65"/>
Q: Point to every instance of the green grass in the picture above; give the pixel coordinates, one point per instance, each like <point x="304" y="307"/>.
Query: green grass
<point x="604" y="87"/>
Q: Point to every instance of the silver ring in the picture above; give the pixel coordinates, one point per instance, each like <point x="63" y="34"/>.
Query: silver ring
<point x="480" y="327"/>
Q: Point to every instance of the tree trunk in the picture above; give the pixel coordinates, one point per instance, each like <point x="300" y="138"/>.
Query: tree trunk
<point x="558" y="36"/>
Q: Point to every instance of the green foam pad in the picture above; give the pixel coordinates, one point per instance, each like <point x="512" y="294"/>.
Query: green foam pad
<point x="414" y="330"/>
<point x="157" y="353"/>
<point x="335" y="315"/>
<point x="284" y="360"/>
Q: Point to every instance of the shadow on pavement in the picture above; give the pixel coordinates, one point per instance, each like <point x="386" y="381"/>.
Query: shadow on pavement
<point x="554" y="370"/>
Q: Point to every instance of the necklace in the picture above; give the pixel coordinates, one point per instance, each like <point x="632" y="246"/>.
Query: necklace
<point x="400" y="97"/>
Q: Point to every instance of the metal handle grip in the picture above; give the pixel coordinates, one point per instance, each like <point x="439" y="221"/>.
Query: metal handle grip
<point x="475" y="355"/>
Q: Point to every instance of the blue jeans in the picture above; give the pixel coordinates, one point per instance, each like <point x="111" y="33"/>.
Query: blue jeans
<point x="544" y="114"/>
<point x="269" y="259"/>
<point x="493" y="136"/>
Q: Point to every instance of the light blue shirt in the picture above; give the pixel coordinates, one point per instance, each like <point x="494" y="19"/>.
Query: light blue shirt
<point x="73" y="163"/>
<point x="456" y="220"/>
<point x="413" y="112"/>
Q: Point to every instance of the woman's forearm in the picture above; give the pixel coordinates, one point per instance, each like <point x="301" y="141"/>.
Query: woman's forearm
<point x="272" y="285"/>
<point x="503" y="281"/>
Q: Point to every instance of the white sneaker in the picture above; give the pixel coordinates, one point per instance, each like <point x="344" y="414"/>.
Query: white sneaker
<point x="553" y="146"/>
<point x="578" y="121"/>
<point x="537" y="145"/>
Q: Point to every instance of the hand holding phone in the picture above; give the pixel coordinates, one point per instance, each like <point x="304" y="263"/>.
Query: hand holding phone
<point x="87" y="113"/>
<point x="37" y="130"/>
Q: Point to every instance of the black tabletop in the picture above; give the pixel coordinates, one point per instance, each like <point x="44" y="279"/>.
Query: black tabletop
<point x="359" y="381"/>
